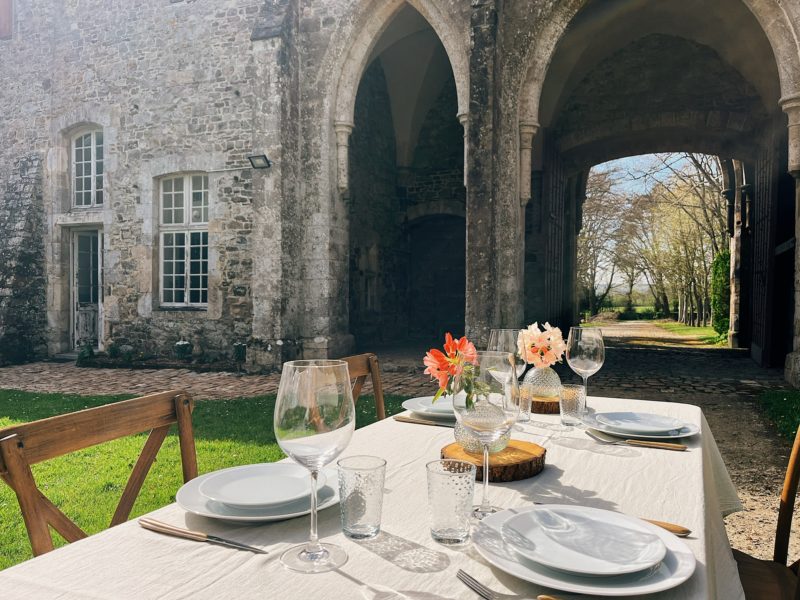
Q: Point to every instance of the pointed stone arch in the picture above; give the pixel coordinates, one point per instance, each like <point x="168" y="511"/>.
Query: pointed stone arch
<point x="370" y="22"/>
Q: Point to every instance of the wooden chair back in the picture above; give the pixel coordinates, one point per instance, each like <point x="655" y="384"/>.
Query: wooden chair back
<point x="24" y="445"/>
<point x="362" y="366"/>
<point x="786" y="507"/>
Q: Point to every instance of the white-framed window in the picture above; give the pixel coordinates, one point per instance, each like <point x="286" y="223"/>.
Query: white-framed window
<point x="183" y="210"/>
<point x="87" y="168"/>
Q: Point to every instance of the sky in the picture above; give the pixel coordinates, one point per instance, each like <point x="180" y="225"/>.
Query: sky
<point x="636" y="166"/>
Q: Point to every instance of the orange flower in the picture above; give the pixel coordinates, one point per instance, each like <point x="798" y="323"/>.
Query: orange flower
<point x="445" y="366"/>
<point x="438" y="366"/>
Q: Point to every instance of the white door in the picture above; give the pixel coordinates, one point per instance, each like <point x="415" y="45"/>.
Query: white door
<point x="86" y="288"/>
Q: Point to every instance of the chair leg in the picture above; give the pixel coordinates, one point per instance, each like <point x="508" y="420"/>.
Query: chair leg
<point x="20" y="478"/>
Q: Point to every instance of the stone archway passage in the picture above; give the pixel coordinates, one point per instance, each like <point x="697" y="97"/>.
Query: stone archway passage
<point x="405" y="178"/>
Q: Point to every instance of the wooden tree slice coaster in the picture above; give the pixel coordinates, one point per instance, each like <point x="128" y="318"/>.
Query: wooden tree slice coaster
<point x="520" y="460"/>
<point x="542" y="405"/>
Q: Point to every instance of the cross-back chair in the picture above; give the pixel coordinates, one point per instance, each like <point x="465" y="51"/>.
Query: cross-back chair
<point x="773" y="579"/>
<point x="362" y="366"/>
<point x="24" y="445"/>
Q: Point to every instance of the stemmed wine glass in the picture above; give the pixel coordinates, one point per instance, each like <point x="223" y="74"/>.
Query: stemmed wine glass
<point x="585" y="352"/>
<point x="505" y="340"/>
<point x="489" y="407"/>
<point x="314" y="421"/>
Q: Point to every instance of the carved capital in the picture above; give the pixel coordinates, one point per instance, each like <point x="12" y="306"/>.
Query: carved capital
<point x="791" y="106"/>
<point x="343" y="131"/>
<point x="463" y="118"/>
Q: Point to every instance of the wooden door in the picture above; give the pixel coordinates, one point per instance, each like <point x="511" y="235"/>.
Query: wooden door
<point x="86" y="288"/>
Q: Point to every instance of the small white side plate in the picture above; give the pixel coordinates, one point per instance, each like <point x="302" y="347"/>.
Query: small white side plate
<point x="677" y="566"/>
<point x="583" y="540"/>
<point x="688" y="430"/>
<point x="441" y="409"/>
<point x="191" y="500"/>
<point x="639" y="422"/>
<point x="257" y="486"/>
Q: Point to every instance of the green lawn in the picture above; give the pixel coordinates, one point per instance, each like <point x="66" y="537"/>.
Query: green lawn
<point x="783" y="408"/>
<point x="86" y="485"/>
<point x="707" y="335"/>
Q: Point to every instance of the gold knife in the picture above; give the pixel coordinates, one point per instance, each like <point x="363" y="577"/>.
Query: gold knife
<point x="662" y="445"/>
<point x="404" y="419"/>
<point x="197" y="536"/>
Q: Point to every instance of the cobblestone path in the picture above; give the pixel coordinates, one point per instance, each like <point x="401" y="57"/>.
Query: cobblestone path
<point x="642" y="361"/>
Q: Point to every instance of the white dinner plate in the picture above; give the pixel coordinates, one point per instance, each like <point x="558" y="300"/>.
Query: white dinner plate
<point x="583" y="540"/>
<point x="441" y="409"/>
<point x="257" y="486"/>
<point x="688" y="430"/>
<point x="676" y="567"/>
<point x="639" y="422"/>
<point x="191" y="500"/>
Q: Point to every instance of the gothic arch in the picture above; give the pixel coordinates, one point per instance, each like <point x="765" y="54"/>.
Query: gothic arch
<point x="771" y="16"/>
<point x="372" y="21"/>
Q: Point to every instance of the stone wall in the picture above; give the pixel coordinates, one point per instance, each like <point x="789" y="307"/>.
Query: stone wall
<point x="176" y="87"/>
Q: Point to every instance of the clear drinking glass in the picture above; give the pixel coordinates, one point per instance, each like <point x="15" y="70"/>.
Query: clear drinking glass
<point x="489" y="407"/>
<point x="451" y="485"/>
<point x="585" y="352"/>
<point x="505" y="340"/>
<point x="361" y="495"/>
<point x="314" y="421"/>
<point x="572" y="404"/>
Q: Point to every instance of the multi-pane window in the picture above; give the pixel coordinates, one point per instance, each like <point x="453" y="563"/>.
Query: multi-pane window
<point x="184" y="240"/>
<point x="87" y="169"/>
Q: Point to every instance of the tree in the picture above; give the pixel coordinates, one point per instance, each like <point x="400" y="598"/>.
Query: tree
<point x="597" y="240"/>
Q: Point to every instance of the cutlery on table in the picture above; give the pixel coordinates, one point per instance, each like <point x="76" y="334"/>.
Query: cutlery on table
<point x="487" y="594"/>
<point x="197" y="536"/>
<point x="678" y="530"/>
<point x="417" y="421"/>
<point x="607" y="439"/>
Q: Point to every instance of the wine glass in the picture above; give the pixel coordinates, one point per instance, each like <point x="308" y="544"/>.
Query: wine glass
<point x="585" y="352"/>
<point x="505" y="340"/>
<point x="314" y="421"/>
<point x="488" y="408"/>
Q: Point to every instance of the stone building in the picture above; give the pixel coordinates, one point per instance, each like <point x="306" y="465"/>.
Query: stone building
<point x="429" y="160"/>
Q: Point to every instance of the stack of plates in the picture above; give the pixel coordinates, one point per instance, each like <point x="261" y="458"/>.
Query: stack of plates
<point x="426" y="408"/>
<point x="640" y="425"/>
<point x="257" y="493"/>
<point x="584" y="550"/>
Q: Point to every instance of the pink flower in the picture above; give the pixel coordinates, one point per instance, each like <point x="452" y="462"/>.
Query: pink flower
<point x="541" y="348"/>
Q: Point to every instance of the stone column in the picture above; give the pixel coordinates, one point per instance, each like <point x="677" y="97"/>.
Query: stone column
<point x="526" y="133"/>
<point x="791" y="106"/>
<point x="482" y="294"/>
<point x="463" y="118"/>
<point x="343" y="131"/>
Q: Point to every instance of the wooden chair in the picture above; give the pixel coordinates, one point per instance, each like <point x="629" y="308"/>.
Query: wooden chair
<point x="362" y="366"/>
<point x="24" y="445"/>
<point x="772" y="579"/>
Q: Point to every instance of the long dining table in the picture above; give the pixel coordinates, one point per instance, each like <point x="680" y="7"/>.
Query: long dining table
<point x="690" y="488"/>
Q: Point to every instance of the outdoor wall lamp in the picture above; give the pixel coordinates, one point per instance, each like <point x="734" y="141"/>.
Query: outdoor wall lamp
<point x="259" y="161"/>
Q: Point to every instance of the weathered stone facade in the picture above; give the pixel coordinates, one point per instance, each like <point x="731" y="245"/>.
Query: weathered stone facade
<point x="405" y="137"/>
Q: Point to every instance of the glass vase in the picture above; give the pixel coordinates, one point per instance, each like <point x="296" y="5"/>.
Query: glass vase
<point x="542" y="384"/>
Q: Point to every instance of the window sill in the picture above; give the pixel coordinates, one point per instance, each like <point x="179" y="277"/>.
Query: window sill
<point x="181" y="309"/>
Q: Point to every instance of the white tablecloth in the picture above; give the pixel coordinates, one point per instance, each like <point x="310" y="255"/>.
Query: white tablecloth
<point x="690" y="488"/>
